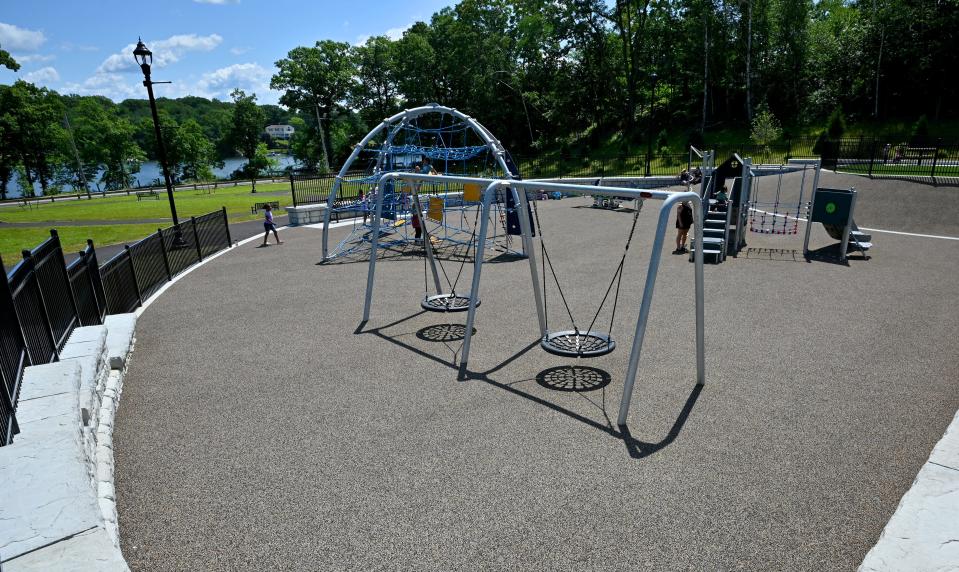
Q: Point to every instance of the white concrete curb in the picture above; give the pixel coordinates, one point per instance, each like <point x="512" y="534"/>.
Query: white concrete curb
<point x="923" y="533"/>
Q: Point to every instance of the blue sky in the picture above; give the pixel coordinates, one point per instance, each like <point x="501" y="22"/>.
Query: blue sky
<point x="206" y="47"/>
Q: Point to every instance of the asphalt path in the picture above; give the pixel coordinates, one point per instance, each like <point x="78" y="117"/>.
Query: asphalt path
<point x="263" y="426"/>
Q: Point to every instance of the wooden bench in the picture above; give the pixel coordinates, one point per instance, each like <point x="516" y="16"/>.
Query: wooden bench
<point x="147" y="194"/>
<point x="260" y="206"/>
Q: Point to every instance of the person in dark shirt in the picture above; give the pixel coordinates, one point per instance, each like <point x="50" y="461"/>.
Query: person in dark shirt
<point x="684" y="220"/>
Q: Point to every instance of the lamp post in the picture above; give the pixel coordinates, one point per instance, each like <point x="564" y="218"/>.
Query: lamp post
<point x="649" y="125"/>
<point x="144" y="57"/>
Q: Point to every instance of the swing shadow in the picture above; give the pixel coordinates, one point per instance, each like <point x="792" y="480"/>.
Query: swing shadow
<point x="635" y="448"/>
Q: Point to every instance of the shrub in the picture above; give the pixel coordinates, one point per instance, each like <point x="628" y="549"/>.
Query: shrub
<point x="920" y="131"/>
<point x="836" y="126"/>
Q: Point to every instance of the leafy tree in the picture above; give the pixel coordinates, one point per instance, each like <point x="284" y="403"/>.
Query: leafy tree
<point x="920" y="131"/>
<point x="7" y="61"/>
<point x="9" y="157"/>
<point x="376" y="91"/>
<point x="765" y="127"/>
<point x="37" y="133"/>
<point x="836" y="126"/>
<point x="196" y="154"/>
<point x="248" y="122"/>
<point x="316" y="80"/>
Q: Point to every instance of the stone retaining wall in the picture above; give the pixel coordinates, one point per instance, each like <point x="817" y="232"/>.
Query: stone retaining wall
<point x="59" y="508"/>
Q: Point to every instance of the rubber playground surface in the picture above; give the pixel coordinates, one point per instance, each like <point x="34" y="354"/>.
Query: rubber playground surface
<point x="263" y="427"/>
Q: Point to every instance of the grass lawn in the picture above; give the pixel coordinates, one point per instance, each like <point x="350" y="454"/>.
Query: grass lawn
<point x="902" y="169"/>
<point x="73" y="238"/>
<point x="237" y="201"/>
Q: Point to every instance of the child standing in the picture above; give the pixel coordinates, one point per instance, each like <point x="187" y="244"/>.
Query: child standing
<point x="684" y="220"/>
<point x="269" y="225"/>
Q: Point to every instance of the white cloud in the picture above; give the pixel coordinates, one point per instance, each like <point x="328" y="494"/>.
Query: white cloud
<point x="248" y="77"/>
<point x="115" y="86"/>
<point x="392" y="33"/>
<point x="165" y="52"/>
<point x="42" y="76"/>
<point x="397" y="33"/>
<point x="31" y="58"/>
<point x="239" y="50"/>
<point x="14" y="38"/>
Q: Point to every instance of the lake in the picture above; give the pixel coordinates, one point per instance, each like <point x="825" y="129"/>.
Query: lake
<point x="151" y="175"/>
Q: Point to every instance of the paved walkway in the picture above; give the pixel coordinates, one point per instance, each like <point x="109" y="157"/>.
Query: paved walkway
<point x="262" y="427"/>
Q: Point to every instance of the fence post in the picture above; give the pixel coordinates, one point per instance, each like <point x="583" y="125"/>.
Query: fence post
<point x="166" y="260"/>
<point x="96" y="282"/>
<point x="11" y="388"/>
<point x="935" y="158"/>
<point x="133" y="272"/>
<point x="28" y="260"/>
<point x="872" y="157"/>
<point x="292" y="189"/>
<point x="196" y="238"/>
<point x="226" y="224"/>
<point x="647" y="162"/>
<point x="73" y="299"/>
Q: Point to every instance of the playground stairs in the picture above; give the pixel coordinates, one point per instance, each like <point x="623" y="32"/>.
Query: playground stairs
<point x="857" y="239"/>
<point x="715" y="237"/>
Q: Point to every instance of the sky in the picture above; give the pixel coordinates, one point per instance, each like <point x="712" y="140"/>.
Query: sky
<point x="205" y="47"/>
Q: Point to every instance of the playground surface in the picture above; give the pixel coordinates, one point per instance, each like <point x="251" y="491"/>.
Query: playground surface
<point x="262" y="426"/>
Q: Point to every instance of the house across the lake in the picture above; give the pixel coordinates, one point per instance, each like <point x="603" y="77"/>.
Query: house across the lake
<point x="280" y="131"/>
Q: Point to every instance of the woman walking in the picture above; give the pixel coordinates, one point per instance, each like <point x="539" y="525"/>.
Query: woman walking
<point x="269" y="225"/>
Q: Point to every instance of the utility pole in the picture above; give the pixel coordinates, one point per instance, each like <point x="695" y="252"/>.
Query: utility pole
<point x="80" y="174"/>
<point x="324" y="160"/>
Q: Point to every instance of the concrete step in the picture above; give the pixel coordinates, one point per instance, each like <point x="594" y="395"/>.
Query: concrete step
<point x="716" y="215"/>
<point x="714" y="224"/>
<point x="714" y="232"/>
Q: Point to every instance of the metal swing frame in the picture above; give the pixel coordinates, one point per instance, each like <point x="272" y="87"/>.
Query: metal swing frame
<point x="520" y="190"/>
<point x="441" y="301"/>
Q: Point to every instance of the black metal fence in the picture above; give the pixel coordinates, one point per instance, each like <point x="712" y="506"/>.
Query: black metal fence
<point x="42" y="299"/>
<point x="311" y="188"/>
<point x="934" y="161"/>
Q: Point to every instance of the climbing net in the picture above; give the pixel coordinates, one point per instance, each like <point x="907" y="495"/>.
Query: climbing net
<point x="432" y="139"/>
<point x="779" y="212"/>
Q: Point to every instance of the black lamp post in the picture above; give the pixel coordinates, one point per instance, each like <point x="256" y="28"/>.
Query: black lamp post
<point x="649" y="125"/>
<point x="144" y="58"/>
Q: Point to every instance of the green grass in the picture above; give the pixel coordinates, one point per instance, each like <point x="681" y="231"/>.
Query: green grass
<point x="902" y="169"/>
<point x="237" y="201"/>
<point x="73" y="238"/>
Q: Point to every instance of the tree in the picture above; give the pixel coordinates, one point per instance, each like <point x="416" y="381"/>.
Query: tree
<point x="7" y="61"/>
<point x="765" y="127"/>
<point x="196" y="154"/>
<point x="37" y="134"/>
<point x="248" y="122"/>
<point x="376" y="92"/>
<point x="316" y="80"/>
<point x="9" y="157"/>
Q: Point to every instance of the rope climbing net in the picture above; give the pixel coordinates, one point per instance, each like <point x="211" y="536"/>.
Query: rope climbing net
<point x="430" y="139"/>
<point x="779" y="212"/>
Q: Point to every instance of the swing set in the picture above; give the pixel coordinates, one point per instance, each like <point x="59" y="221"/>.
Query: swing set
<point x="571" y="341"/>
